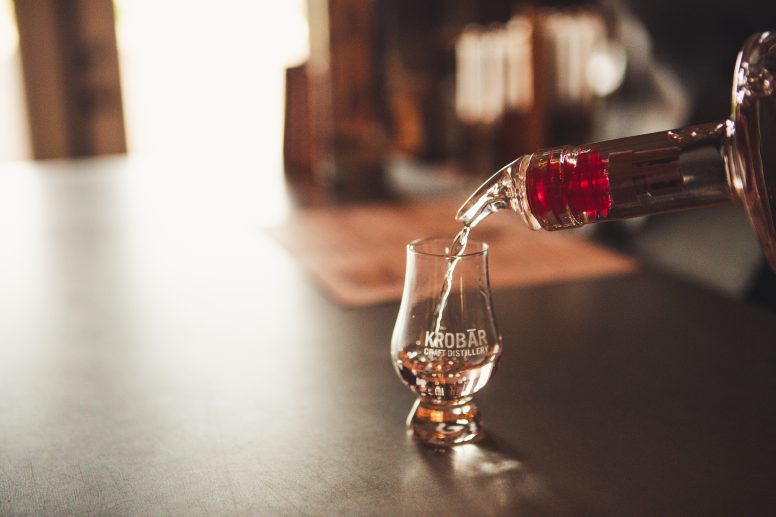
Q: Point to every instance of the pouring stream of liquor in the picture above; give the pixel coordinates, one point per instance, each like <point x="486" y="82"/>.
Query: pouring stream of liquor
<point x="490" y="197"/>
<point x="457" y="249"/>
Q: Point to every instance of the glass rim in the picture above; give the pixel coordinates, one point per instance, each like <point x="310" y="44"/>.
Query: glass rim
<point x="412" y="247"/>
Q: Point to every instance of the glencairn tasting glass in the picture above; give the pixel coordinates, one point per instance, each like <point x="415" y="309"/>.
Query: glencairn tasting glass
<point x="445" y="344"/>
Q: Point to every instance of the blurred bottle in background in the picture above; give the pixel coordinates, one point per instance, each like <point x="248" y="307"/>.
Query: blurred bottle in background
<point x="467" y="86"/>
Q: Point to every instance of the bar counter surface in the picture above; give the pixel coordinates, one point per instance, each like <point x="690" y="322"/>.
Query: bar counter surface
<point x="159" y="354"/>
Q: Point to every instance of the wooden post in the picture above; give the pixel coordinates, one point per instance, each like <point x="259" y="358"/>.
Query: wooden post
<point x="349" y="142"/>
<point x="71" y="75"/>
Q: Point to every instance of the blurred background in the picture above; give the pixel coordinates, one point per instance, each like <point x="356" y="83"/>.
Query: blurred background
<point x="353" y="100"/>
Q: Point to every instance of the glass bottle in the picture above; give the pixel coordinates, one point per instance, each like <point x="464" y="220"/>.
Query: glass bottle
<point x="733" y="160"/>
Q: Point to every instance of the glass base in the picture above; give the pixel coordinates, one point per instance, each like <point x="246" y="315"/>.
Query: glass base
<point x="444" y="424"/>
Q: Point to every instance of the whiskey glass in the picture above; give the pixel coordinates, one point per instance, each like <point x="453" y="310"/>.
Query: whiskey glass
<point x="445" y="343"/>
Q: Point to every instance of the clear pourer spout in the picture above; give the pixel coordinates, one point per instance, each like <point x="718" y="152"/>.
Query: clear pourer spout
<point x="498" y="192"/>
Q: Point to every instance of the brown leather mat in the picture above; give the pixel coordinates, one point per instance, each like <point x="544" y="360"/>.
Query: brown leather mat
<point x="357" y="254"/>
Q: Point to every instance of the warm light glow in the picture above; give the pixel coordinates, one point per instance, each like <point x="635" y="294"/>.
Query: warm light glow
<point x="9" y="39"/>
<point x="606" y="69"/>
<point x="204" y="81"/>
<point x="203" y="77"/>
<point x="14" y="134"/>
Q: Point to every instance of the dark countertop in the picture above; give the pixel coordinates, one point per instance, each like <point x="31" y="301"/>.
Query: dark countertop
<point x="160" y="355"/>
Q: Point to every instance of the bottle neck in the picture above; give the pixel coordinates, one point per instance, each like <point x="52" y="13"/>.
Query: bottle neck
<point x="567" y="187"/>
